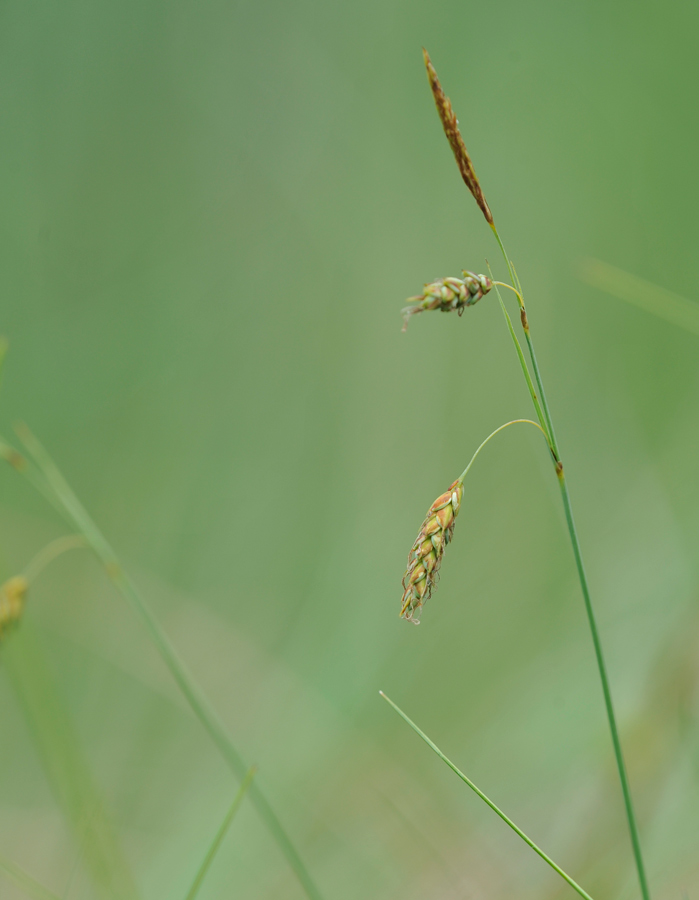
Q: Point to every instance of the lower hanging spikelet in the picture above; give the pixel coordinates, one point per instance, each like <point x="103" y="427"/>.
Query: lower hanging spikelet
<point x="448" y="294"/>
<point x="426" y="554"/>
<point x="12" y="596"/>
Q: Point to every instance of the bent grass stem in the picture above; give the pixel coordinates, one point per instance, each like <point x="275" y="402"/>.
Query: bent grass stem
<point x="496" y="809"/>
<point x="492" y="435"/>
<point x="52" y="551"/>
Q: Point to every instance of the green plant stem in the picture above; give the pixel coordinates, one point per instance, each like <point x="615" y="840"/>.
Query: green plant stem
<point x="466" y="780"/>
<point x="50" y="481"/>
<point x="220" y="834"/>
<point x="19" y="877"/>
<point x="525" y="370"/>
<point x="492" y="435"/>
<point x="577" y="552"/>
<point x="606" y="689"/>
<point x="532" y="354"/>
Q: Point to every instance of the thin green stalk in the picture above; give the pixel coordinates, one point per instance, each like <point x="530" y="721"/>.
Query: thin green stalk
<point x="525" y="369"/>
<point x="577" y="552"/>
<point x="75" y="512"/>
<point x="532" y="354"/>
<point x="506" y="819"/>
<point x="220" y="834"/>
<point x="606" y="690"/>
<point x="492" y="435"/>
<point x="25" y="881"/>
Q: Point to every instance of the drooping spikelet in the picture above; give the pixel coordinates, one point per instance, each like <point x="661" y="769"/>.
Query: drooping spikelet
<point x="451" y="130"/>
<point x="13" y="594"/>
<point x="426" y="554"/>
<point x="448" y="294"/>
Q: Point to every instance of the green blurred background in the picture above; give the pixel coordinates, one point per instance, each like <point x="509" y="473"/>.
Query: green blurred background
<point x="212" y="215"/>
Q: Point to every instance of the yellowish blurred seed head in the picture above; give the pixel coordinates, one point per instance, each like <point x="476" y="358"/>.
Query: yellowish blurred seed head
<point x="13" y="594"/>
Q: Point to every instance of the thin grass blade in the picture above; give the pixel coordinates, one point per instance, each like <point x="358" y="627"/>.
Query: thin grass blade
<point x="50" y="477"/>
<point x="466" y="780"/>
<point x="3" y="353"/>
<point x="66" y="768"/>
<point x="23" y="880"/>
<point x="645" y="295"/>
<point x="220" y="834"/>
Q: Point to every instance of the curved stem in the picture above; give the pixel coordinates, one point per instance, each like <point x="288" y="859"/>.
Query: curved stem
<point x="513" y="289"/>
<point x="467" y="780"/>
<point x="50" y="552"/>
<point x="577" y="552"/>
<point x="492" y="435"/>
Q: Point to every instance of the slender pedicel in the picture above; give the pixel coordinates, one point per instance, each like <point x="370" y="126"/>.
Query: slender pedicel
<point x="220" y="834"/>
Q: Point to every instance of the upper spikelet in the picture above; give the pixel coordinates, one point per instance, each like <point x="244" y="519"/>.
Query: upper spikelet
<point x="451" y="129"/>
<point x="448" y="294"/>
<point x="13" y="594"/>
<point x="426" y="554"/>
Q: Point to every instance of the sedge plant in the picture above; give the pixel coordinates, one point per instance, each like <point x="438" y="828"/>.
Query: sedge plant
<point x="456" y="294"/>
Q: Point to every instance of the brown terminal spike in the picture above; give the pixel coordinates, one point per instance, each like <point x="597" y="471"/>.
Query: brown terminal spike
<point x="451" y="129"/>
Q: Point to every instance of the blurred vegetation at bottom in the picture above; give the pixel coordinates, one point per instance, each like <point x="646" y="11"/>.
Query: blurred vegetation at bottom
<point x="212" y="215"/>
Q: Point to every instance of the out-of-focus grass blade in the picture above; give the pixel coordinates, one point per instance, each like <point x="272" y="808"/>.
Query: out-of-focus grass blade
<point x="65" y="765"/>
<point x="220" y="834"/>
<point x="490" y="803"/>
<point x="641" y="293"/>
<point x="28" y="884"/>
<point x="47" y="478"/>
<point x="3" y="353"/>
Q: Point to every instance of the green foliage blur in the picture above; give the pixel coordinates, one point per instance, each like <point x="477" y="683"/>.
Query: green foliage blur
<point x="212" y="215"/>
